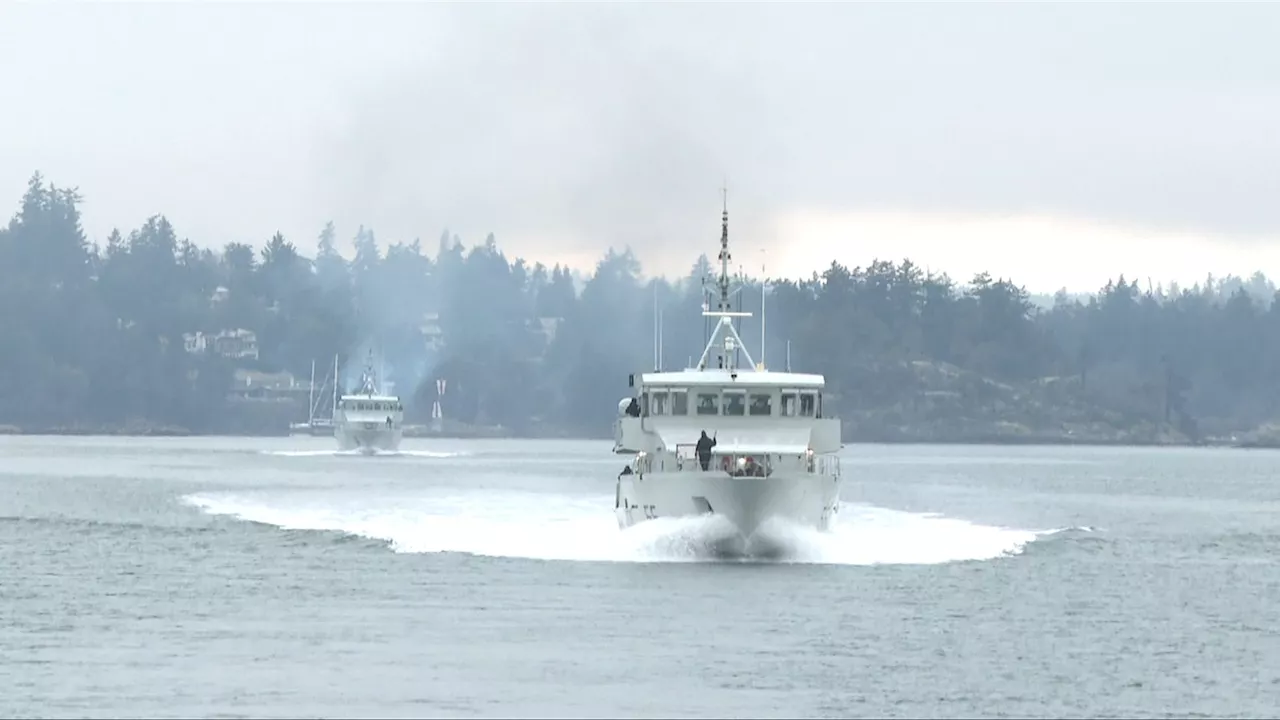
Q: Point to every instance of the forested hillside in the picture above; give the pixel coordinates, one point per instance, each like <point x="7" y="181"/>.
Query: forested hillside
<point x="93" y="336"/>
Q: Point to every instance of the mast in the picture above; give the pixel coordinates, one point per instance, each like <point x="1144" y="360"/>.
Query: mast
<point x="731" y="343"/>
<point x="380" y="378"/>
<point x="764" y="283"/>
<point x="368" y="383"/>
<point x="311" y="394"/>
<point x="656" y="365"/>
<point x="659" y="338"/>
<point x="723" y="281"/>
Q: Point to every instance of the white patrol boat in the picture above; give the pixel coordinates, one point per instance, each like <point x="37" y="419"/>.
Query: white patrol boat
<point x="745" y="443"/>
<point x="368" y="420"/>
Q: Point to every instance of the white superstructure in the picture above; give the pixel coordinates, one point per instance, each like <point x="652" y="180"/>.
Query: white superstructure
<point x="368" y="420"/>
<point x="774" y="451"/>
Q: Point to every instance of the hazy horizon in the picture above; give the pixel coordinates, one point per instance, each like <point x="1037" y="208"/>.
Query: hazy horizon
<point x="1059" y="145"/>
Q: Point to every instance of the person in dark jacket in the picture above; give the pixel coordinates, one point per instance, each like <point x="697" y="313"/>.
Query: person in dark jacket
<point x="703" y="449"/>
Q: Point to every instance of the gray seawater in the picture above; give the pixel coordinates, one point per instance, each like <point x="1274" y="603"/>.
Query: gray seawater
<point x="274" y="578"/>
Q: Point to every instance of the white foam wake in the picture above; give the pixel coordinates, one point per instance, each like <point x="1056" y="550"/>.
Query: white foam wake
<point x="357" y="453"/>
<point x="556" y="527"/>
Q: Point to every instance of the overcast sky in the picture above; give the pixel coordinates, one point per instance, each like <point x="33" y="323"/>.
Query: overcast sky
<point x="1057" y="144"/>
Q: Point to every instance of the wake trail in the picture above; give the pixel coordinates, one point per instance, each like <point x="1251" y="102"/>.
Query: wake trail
<point x="543" y="526"/>
<point x="357" y="453"/>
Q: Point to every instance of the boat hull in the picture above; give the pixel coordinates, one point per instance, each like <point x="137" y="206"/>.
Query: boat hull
<point x="804" y="499"/>
<point x="366" y="439"/>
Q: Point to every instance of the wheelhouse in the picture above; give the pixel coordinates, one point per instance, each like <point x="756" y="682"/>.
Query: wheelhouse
<point x="785" y="396"/>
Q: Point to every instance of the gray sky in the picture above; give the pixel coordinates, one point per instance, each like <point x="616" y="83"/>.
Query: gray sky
<point x="1059" y="144"/>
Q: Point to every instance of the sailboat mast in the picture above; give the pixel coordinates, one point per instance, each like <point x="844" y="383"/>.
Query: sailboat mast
<point x="659" y="338"/>
<point x="311" y="394"/>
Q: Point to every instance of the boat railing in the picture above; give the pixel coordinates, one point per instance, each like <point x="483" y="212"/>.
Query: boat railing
<point x="735" y="464"/>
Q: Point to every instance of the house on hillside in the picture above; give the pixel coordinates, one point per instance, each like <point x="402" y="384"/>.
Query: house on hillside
<point x="431" y="332"/>
<point x="544" y="331"/>
<point x="238" y="344"/>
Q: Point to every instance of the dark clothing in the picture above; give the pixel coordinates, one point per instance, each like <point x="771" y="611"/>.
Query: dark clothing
<point x="633" y="408"/>
<point x="703" y="450"/>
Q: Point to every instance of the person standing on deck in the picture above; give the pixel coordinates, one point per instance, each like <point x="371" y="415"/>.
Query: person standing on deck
<point x="703" y="449"/>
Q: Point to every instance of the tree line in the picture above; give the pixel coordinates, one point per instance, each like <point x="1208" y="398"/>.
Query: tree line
<point x="93" y="336"/>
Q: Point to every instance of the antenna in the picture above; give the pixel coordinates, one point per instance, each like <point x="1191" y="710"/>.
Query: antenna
<point x="725" y="257"/>
<point x="660" y="338"/>
<point x="764" y="283"/>
<point x="655" y="325"/>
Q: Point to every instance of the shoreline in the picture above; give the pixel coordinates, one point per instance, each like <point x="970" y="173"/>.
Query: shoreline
<point x="1008" y="441"/>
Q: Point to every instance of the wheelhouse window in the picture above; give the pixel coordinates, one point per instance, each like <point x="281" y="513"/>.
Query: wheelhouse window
<point x="735" y="403"/>
<point x="658" y="403"/>
<point x="789" y="404"/>
<point x="760" y="404"/>
<point x="708" y="403"/>
<point x="808" y="404"/>
<point x="679" y="402"/>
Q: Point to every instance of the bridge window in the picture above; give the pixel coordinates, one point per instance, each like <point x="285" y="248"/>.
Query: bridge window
<point x="708" y="403"/>
<point x="761" y="404"/>
<point x="808" y="404"/>
<point x="788" y="404"/>
<point x="658" y="403"/>
<point x="679" y="402"/>
<point x="735" y="403"/>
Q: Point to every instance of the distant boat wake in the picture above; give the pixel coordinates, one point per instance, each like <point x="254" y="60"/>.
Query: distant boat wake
<point x="358" y="453"/>
<point x="499" y="523"/>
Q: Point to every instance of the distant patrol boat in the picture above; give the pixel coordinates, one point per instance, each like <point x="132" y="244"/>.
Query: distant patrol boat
<point x="368" y="420"/>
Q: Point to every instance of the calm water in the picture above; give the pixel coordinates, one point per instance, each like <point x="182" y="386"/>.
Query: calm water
<point x="273" y="578"/>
